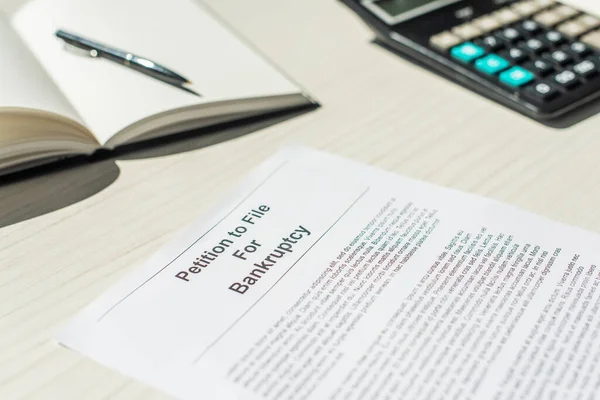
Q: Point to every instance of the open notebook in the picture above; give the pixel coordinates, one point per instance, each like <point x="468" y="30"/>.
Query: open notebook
<point x="55" y="103"/>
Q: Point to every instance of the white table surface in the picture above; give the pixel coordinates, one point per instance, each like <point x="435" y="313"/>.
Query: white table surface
<point x="68" y="235"/>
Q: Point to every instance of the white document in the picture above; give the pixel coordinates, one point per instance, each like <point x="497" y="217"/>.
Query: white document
<point x="321" y="278"/>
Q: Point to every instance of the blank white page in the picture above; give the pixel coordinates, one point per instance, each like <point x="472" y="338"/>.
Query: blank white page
<point x="24" y="82"/>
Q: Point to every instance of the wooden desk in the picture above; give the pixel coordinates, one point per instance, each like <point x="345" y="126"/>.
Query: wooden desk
<point x="377" y="108"/>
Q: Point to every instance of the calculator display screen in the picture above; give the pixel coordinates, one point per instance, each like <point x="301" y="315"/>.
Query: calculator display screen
<point x="405" y="9"/>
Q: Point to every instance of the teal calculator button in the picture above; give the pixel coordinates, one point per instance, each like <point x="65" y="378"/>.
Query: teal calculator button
<point x="467" y="52"/>
<point x="516" y="76"/>
<point x="492" y="64"/>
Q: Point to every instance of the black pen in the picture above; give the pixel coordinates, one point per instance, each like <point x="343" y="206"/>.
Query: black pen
<point x="125" y="58"/>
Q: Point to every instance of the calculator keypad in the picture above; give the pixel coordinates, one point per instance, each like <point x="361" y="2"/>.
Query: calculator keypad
<point x="585" y="69"/>
<point x="593" y="39"/>
<point x="566" y="79"/>
<point x="540" y="67"/>
<point x="526" y="8"/>
<point x="467" y="31"/>
<point x="516" y="77"/>
<point x="571" y="28"/>
<point x="541" y="92"/>
<point x="539" y="49"/>
<point x="467" y="52"/>
<point x="554" y="37"/>
<point x="510" y="35"/>
<point x="444" y="40"/>
<point x="588" y="21"/>
<point x="559" y="57"/>
<point x="579" y="49"/>
<point x="515" y="55"/>
<point x="530" y="27"/>
<point x="492" y="64"/>
<point x="491" y="43"/>
<point x="487" y="23"/>
<point x="534" y="45"/>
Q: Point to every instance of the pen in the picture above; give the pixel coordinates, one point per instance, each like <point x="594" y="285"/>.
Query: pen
<point x="140" y="64"/>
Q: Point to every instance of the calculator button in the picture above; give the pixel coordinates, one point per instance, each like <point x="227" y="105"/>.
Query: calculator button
<point x="571" y="28"/>
<point x="491" y="43"/>
<point x="544" y="3"/>
<point x="510" y="35"/>
<point x="565" y="11"/>
<point x="444" y="40"/>
<point x="567" y="79"/>
<point x="560" y="57"/>
<point x="531" y="27"/>
<point x="491" y="64"/>
<point x="590" y="22"/>
<point x="506" y="16"/>
<point x="592" y="39"/>
<point x="554" y="37"/>
<point x="467" y="52"/>
<point x="541" y="92"/>
<point x="534" y="46"/>
<point x="467" y="31"/>
<point x="549" y="18"/>
<point x="516" y="77"/>
<point x="579" y="49"/>
<point x="585" y="69"/>
<point x="486" y="23"/>
<point x="515" y="55"/>
<point x="526" y="8"/>
<point x="540" y="67"/>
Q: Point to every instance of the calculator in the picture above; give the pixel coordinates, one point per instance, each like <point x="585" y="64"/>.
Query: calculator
<point x="539" y="57"/>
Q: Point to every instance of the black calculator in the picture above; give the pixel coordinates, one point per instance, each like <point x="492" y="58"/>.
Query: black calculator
<point x="539" y="57"/>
